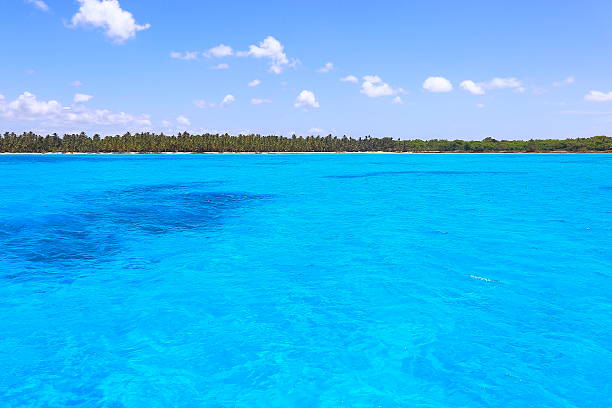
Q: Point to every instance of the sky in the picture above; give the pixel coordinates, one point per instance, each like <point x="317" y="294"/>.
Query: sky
<point x="401" y="69"/>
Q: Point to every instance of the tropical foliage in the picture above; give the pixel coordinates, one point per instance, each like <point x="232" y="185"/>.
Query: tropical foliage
<point x="185" y="142"/>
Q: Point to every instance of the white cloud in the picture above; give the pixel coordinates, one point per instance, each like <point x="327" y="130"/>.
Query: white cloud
<point x="315" y="130"/>
<point x="119" y="25"/>
<point x="227" y="99"/>
<point x="598" y="96"/>
<point x="219" y="51"/>
<point x="306" y="99"/>
<point x="166" y="123"/>
<point x="183" y="120"/>
<point x="372" y="78"/>
<point x="397" y="100"/>
<point x="502" y="83"/>
<point x="276" y="69"/>
<point x="76" y="83"/>
<point x="480" y="88"/>
<point x="480" y="105"/>
<point x="78" y="98"/>
<point x="350" y="78"/>
<point x="187" y="55"/>
<point x="437" y="85"/>
<point x="220" y="66"/>
<point x="472" y="87"/>
<point x="271" y="49"/>
<point x="567" y="81"/>
<point x="254" y="82"/>
<point x="374" y="87"/>
<point x="259" y="101"/>
<point x="39" y="4"/>
<point x="201" y="103"/>
<point x="27" y="107"/>
<point x="326" y="68"/>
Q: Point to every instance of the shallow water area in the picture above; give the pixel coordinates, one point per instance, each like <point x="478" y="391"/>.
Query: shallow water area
<point x="449" y="280"/>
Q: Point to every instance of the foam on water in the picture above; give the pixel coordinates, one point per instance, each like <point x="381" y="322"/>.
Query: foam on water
<point x="481" y="278"/>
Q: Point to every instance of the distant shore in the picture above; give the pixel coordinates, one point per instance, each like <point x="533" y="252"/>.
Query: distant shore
<point x="185" y="143"/>
<point x="281" y="153"/>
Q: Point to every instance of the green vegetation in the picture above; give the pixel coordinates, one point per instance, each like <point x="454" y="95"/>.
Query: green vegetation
<point x="184" y="142"/>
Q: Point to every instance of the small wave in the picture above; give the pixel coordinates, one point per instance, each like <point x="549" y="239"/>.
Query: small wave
<point x="481" y="278"/>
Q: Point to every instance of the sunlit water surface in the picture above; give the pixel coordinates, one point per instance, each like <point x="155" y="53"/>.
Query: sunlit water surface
<point x="306" y="281"/>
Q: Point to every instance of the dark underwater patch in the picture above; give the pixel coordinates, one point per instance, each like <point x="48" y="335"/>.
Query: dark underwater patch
<point x="58" y="241"/>
<point x="418" y="172"/>
<point x="156" y="188"/>
<point x="97" y="229"/>
<point x="162" y="212"/>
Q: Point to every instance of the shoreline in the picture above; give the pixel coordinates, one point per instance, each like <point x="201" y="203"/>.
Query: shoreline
<point x="292" y="153"/>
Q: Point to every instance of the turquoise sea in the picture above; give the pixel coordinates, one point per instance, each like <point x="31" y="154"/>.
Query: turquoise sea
<point x="364" y="280"/>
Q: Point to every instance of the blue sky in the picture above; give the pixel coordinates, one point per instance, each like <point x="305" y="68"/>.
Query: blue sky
<point x="412" y="69"/>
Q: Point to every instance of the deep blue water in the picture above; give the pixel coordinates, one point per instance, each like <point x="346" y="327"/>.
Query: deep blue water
<point x="306" y="281"/>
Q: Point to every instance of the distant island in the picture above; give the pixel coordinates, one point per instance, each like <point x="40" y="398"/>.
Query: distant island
<point x="223" y="143"/>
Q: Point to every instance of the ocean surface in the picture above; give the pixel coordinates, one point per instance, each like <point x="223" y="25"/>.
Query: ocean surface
<point x="412" y="280"/>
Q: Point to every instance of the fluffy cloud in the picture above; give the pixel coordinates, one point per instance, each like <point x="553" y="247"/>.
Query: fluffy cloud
<point x="271" y="49"/>
<point x="106" y="117"/>
<point x="39" y="4"/>
<point x="350" y="78"/>
<point x="472" y="87"/>
<point x="227" y="99"/>
<point x="598" y="96"/>
<point x="119" y="25"/>
<point x="220" y="66"/>
<point x="259" y="101"/>
<point x="187" y="55"/>
<point x="219" y="51"/>
<point x="183" y="120"/>
<point x="76" y="83"/>
<point x="374" y="87"/>
<point x="27" y="107"/>
<point x="254" y="82"/>
<point x="566" y="81"/>
<point x="375" y="79"/>
<point x="202" y="104"/>
<point x="437" y="85"/>
<point x="326" y="68"/>
<point x="78" y="98"/>
<point x="397" y="100"/>
<point x="373" y="90"/>
<point x="501" y="83"/>
<point x="306" y="99"/>
<point x="480" y="88"/>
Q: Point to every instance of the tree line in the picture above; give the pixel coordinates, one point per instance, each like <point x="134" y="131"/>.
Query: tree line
<point x="184" y="142"/>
